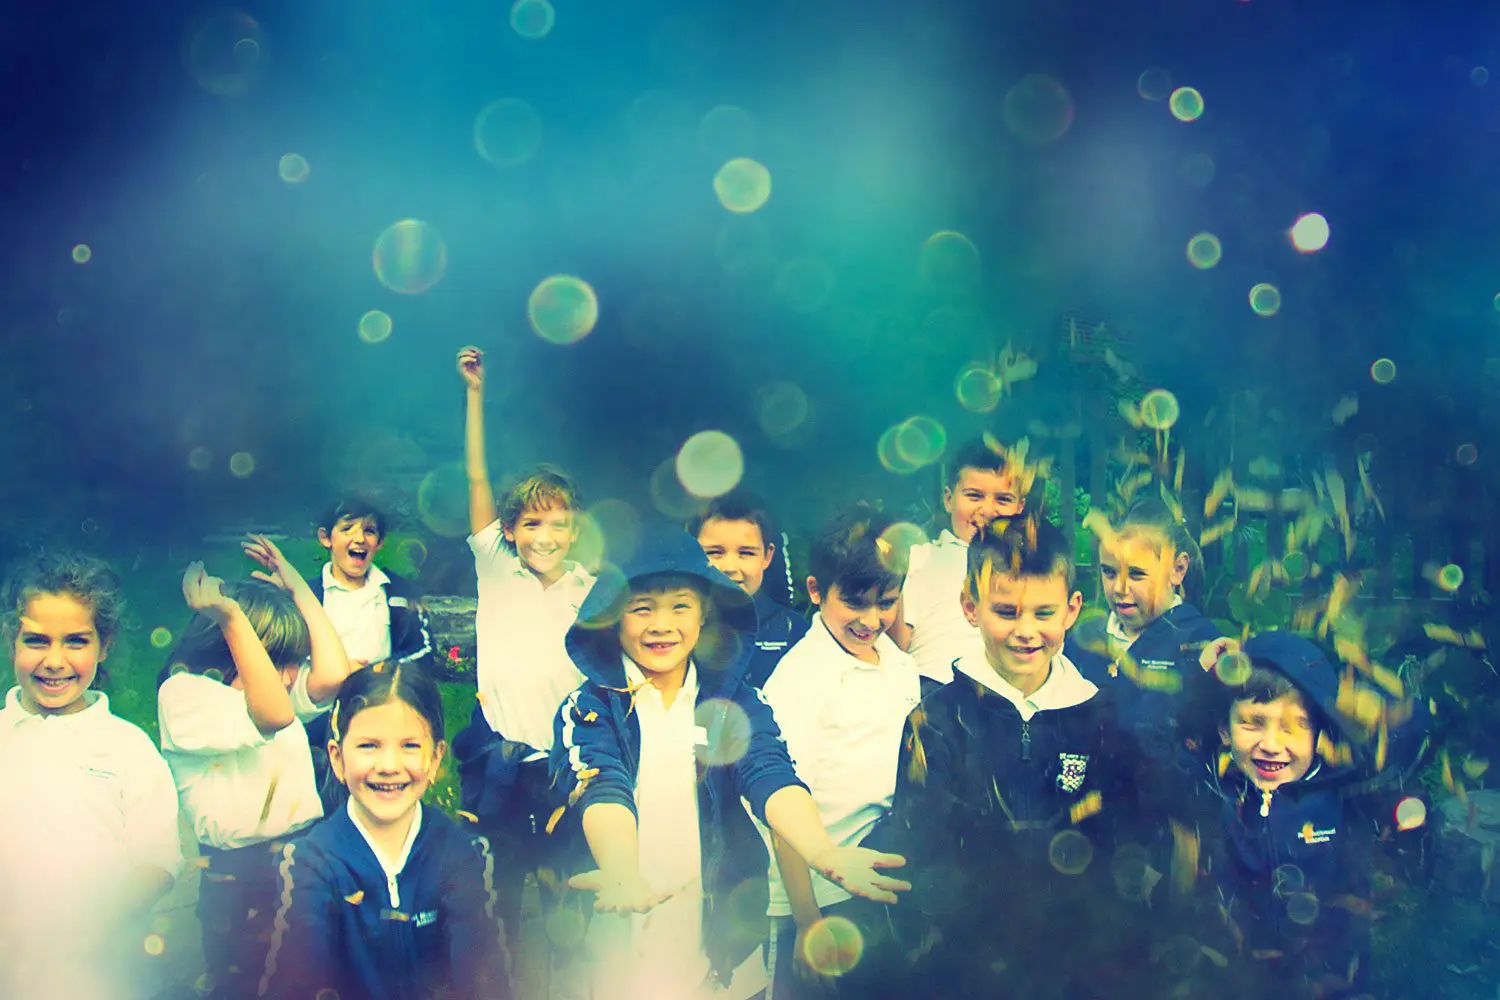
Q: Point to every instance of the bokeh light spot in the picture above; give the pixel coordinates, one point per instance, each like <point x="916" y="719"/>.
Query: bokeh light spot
<point x="948" y="263"/>
<point x="742" y="185"/>
<point x="1130" y="867"/>
<point x="978" y="388"/>
<point x="668" y="494"/>
<point x="726" y="132"/>
<point x="203" y="985"/>
<point x="1450" y="577"/>
<point x="1233" y="669"/>
<point x="293" y="168"/>
<point x="242" y="464"/>
<point x="710" y="464"/>
<point x="1295" y="565"/>
<point x="619" y="525"/>
<point x="562" y="309"/>
<point x="893" y="547"/>
<point x="1198" y="169"/>
<point x="1204" y="251"/>
<point x="532" y="19"/>
<point x="1070" y="852"/>
<point x="1466" y="454"/>
<point x="413" y="551"/>
<point x="781" y="407"/>
<point x="1383" y="371"/>
<point x="443" y="500"/>
<point x="199" y="459"/>
<point x="507" y="132"/>
<point x="1265" y="299"/>
<point x="1479" y="76"/>
<point x="1411" y="812"/>
<point x="920" y="440"/>
<point x="890" y="455"/>
<point x="374" y="326"/>
<point x="82" y="254"/>
<point x="410" y="257"/>
<point x="1309" y="233"/>
<point x="804" y="285"/>
<point x="833" y="946"/>
<point x="1154" y="84"/>
<point x="1302" y="908"/>
<point x="161" y="637"/>
<point x="1181" y="954"/>
<point x="224" y="52"/>
<point x="1038" y="110"/>
<point x="1187" y="104"/>
<point x="155" y="945"/>
<point x="728" y="730"/>
<point x="1159" y="409"/>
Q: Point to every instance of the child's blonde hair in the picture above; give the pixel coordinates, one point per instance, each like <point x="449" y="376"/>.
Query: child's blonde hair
<point x="546" y="487"/>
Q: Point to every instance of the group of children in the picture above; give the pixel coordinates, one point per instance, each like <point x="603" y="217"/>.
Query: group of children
<point x="935" y="783"/>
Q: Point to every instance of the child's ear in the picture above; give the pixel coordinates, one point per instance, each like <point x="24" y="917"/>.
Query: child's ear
<point x="336" y="760"/>
<point x="323" y="538"/>
<point x="438" y="752"/>
<point x="1075" y="607"/>
<point x="379" y="541"/>
<point x="765" y="563"/>
<point x="1179" y="569"/>
<point x="1224" y="735"/>
<point x="970" y="608"/>
<point x="813" y="593"/>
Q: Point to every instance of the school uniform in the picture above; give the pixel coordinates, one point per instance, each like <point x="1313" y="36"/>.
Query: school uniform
<point x="245" y="793"/>
<point x="682" y="771"/>
<point x="88" y="801"/>
<point x="523" y="675"/>
<point x="421" y="925"/>
<point x="842" y="720"/>
<point x="1291" y="868"/>
<point x="777" y="629"/>
<point x="930" y="602"/>
<point x="1004" y="809"/>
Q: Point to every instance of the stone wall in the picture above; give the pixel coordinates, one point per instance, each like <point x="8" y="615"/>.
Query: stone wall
<point x="452" y="622"/>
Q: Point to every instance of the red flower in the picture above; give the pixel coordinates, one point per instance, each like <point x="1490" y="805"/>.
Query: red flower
<point x="454" y="653"/>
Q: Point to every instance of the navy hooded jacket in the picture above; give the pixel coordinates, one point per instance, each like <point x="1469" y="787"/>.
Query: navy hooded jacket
<point x="1292" y="866"/>
<point x="337" y="927"/>
<point x="777" y="629"/>
<point x="598" y="740"/>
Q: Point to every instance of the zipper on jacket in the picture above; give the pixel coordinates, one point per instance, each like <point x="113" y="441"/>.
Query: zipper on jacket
<point x="1025" y="740"/>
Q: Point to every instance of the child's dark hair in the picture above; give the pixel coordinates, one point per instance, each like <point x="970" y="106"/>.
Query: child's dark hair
<point x="1151" y="512"/>
<point x="272" y="614"/>
<point x="76" y="574"/>
<point x="355" y="508"/>
<point x="850" y="553"/>
<point x="1264" y="685"/>
<point x="736" y="505"/>
<point x="382" y="683"/>
<point x="974" y="454"/>
<point x="1020" y="547"/>
<point x="989" y="455"/>
<point x="543" y="488"/>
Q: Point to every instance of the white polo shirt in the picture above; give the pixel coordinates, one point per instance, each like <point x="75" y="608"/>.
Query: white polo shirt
<point x="842" y="720"/>
<point x="522" y="667"/>
<point x="1063" y="688"/>
<point x="237" y="786"/>
<point x="86" y="799"/>
<point x="934" y="583"/>
<point x="360" y="614"/>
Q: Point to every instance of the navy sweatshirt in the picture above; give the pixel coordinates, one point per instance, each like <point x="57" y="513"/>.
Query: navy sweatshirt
<point x="337" y="927"/>
<point x="598" y="739"/>
<point x="777" y="629"/>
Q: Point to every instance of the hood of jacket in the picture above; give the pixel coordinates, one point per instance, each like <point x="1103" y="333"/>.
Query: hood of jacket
<point x="728" y="638"/>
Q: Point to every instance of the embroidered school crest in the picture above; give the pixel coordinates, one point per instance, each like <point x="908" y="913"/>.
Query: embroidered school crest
<point x="1072" y="768"/>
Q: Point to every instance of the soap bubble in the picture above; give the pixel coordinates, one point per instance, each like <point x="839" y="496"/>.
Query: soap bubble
<point x="1383" y="371"/>
<point x="374" y="326"/>
<point x="894" y="546"/>
<point x="242" y="464"/>
<point x="1187" y="104"/>
<point x="1038" y="110"/>
<point x="443" y="500"/>
<point x="978" y="388"/>
<point x="781" y="407"/>
<point x="1265" y="300"/>
<point x="161" y="637"/>
<point x="532" y="19"/>
<point x="507" y="132"/>
<point x="710" y="464"/>
<point x="948" y="263"/>
<point x="1159" y="409"/>
<point x="1070" y="852"/>
<point x="224" y="52"/>
<point x="1302" y="908"/>
<point x="1204" y="251"/>
<point x="1154" y="84"/>
<point x="834" y="946"/>
<point x="293" y="168"/>
<point x="82" y="253"/>
<point x="563" y="309"/>
<point x="1466" y="454"/>
<point x="920" y="440"/>
<point x="742" y="185"/>
<point x="199" y="459"/>
<point x="1233" y="669"/>
<point x="410" y="257"/>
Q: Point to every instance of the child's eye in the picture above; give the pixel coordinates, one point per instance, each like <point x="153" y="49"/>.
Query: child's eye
<point x="1044" y="614"/>
<point x="713" y="553"/>
<point x="888" y="603"/>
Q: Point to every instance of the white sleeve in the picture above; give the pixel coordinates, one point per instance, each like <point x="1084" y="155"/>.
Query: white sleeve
<point x="150" y="808"/>
<point x="199" y="715"/>
<point x="488" y="546"/>
<point x="302" y="704"/>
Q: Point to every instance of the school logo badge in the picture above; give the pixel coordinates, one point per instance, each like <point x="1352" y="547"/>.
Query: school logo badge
<point x="1072" y="768"/>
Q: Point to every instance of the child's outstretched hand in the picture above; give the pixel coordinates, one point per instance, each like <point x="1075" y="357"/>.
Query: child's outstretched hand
<point x="471" y="367"/>
<point x="857" y="869"/>
<point x="1212" y="652"/>
<point x="619" y="894"/>
<point x="277" y="569"/>
<point x="205" y="594"/>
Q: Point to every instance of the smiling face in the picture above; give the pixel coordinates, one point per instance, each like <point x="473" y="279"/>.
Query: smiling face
<point x="1023" y="621"/>
<point x="857" y="621"/>
<point x="351" y="546"/>
<point x="1139" y="574"/>
<point x="980" y="496"/>
<point x="56" y="654"/>
<point x="542" y="538"/>
<point x="1272" y="743"/>
<point x="659" y="629"/>
<point x="386" y="759"/>
<point x="736" y="549"/>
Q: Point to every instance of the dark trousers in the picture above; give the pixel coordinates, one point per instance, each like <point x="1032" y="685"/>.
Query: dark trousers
<point x="876" y="974"/>
<point x="237" y="902"/>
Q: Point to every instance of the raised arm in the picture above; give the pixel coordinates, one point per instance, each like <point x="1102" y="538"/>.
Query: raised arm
<point x="330" y="665"/>
<point x="266" y="698"/>
<point x="482" y="510"/>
